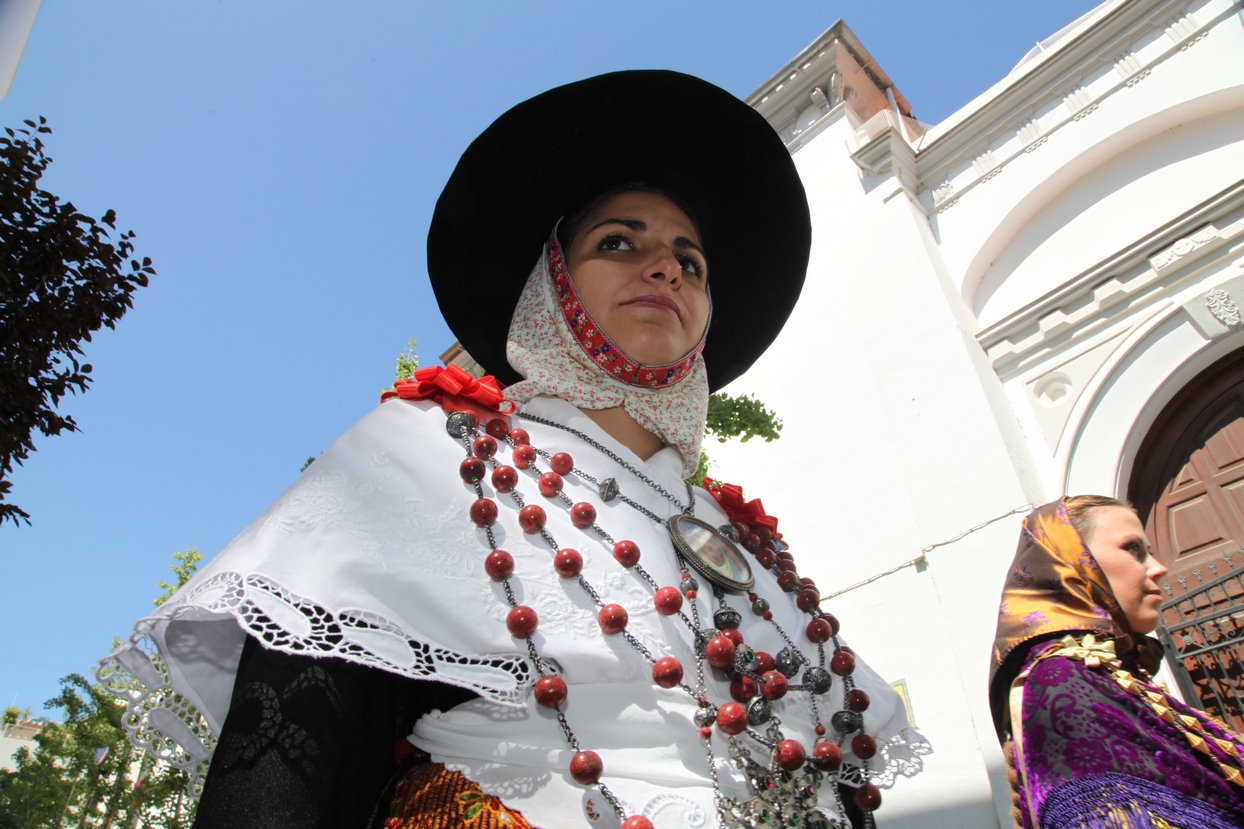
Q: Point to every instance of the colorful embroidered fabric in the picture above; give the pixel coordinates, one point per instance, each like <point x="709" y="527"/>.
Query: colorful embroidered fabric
<point x="1054" y="586"/>
<point x="1096" y="743"/>
<point x="1091" y="754"/>
<point x="546" y="350"/>
<point x="432" y="797"/>
<point x="1118" y="801"/>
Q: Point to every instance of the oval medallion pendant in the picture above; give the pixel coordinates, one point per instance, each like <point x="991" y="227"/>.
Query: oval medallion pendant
<point x="710" y="553"/>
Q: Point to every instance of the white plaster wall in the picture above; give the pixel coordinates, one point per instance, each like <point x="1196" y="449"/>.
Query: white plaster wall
<point x="9" y="746"/>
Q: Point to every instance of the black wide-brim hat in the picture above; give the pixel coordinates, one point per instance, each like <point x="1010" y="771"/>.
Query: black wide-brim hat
<point x="672" y="131"/>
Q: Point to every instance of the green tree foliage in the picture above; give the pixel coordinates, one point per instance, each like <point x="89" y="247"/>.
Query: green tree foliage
<point x="741" y="416"/>
<point x="408" y="361"/>
<point x="84" y="772"/>
<point x="183" y="566"/>
<point x="13" y="715"/>
<point x="61" y="279"/>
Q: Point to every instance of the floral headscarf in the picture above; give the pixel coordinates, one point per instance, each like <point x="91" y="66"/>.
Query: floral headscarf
<point x="559" y="351"/>
<point x="1054" y="586"/>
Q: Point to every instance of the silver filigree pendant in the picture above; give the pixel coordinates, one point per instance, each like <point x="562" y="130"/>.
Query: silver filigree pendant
<point x="777" y="799"/>
<point x="710" y="553"/>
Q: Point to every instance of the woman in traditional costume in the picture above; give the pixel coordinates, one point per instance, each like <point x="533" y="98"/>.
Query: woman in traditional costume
<point x="1092" y="739"/>
<point x="508" y="578"/>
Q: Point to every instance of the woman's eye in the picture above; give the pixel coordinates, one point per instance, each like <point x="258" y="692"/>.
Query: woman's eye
<point x="690" y="266"/>
<point x="615" y="242"/>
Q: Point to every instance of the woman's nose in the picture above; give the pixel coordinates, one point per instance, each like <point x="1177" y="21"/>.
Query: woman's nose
<point x="1157" y="569"/>
<point x="664" y="267"/>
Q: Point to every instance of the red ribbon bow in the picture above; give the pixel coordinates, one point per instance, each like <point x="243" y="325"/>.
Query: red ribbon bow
<point x="453" y="388"/>
<point x="752" y="512"/>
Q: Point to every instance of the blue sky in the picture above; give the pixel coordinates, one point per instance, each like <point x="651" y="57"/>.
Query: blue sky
<point x="279" y="162"/>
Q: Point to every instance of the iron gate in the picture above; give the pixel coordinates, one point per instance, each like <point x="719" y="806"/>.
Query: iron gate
<point x="1202" y="631"/>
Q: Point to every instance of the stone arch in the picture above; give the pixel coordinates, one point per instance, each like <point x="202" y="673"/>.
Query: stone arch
<point x="1117" y="413"/>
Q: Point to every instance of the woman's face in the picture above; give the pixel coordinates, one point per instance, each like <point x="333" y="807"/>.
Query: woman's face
<point x="1117" y="541"/>
<point x="638" y="267"/>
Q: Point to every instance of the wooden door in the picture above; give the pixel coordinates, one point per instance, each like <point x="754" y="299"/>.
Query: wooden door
<point x="1188" y="486"/>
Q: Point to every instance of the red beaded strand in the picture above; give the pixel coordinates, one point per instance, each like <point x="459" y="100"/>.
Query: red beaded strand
<point x="550" y="690"/>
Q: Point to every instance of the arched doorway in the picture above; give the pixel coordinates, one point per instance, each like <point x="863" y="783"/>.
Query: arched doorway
<point x="1188" y="486"/>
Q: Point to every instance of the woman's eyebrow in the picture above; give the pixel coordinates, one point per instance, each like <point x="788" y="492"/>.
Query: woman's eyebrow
<point x="683" y="242"/>
<point x="630" y="224"/>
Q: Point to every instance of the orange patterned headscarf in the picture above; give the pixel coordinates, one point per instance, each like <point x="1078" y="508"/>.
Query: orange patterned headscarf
<point x="1054" y="586"/>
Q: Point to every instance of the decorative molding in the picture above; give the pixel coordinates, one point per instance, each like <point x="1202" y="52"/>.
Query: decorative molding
<point x="888" y="152"/>
<point x="1130" y="276"/>
<point x="1029" y="133"/>
<point x="1222" y="307"/>
<point x="985" y="163"/>
<point x="1216" y="313"/>
<point x="1183" y="247"/>
<point x="943" y="192"/>
<point x="1077" y="99"/>
<point x="1182" y="27"/>
<point x="1194" y="41"/>
<point x="1086" y="113"/>
<point x="1140" y="76"/>
<point x="1127" y="65"/>
<point x="1053" y="389"/>
<point x="800" y="96"/>
<point x="1056" y="390"/>
<point x="820" y="100"/>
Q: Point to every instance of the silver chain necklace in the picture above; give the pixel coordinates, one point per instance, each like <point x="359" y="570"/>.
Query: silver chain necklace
<point x="710" y="550"/>
<point x="608" y="488"/>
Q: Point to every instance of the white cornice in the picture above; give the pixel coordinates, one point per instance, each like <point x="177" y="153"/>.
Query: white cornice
<point x="794" y="80"/>
<point x="887" y="152"/>
<point x="1017" y="90"/>
<point x="835" y="69"/>
<point x="1147" y="268"/>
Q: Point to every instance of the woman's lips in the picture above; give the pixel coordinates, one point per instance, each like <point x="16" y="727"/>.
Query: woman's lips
<point x="656" y="301"/>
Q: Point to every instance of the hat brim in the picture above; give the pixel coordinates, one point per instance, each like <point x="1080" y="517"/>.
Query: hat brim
<point x="672" y="131"/>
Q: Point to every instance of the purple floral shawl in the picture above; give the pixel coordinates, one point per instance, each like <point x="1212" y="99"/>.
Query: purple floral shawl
<point x="1097" y="743"/>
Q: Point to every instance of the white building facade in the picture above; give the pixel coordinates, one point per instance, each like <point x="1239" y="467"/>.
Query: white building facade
<point x="1039" y="296"/>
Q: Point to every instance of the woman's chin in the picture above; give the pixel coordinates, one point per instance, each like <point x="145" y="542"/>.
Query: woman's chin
<point x="654" y="351"/>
